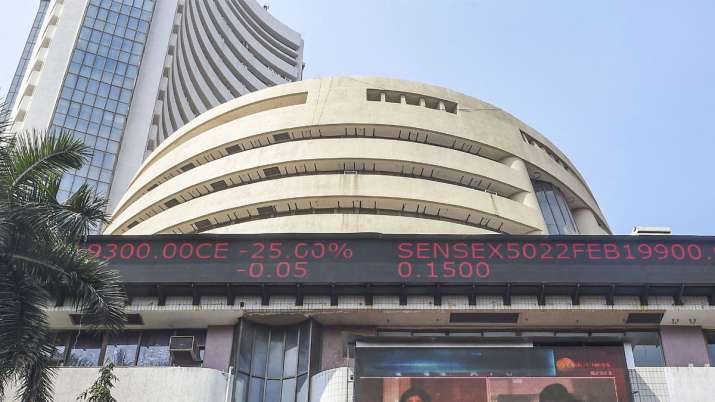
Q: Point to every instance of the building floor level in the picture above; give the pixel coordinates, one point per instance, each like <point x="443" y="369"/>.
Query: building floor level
<point x="352" y="352"/>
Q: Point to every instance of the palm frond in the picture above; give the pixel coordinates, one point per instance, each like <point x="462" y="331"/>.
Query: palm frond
<point x="37" y="377"/>
<point x="95" y="290"/>
<point x="39" y="256"/>
<point x="35" y="156"/>
<point x="80" y="215"/>
<point x="24" y="333"/>
<point x="7" y="376"/>
<point x="5" y="121"/>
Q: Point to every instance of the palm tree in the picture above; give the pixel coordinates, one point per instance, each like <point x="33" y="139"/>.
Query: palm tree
<point x="40" y="259"/>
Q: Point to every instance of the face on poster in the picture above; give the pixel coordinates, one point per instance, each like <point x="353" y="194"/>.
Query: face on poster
<point x="585" y="374"/>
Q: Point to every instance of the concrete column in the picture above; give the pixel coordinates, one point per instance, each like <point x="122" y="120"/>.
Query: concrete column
<point x="219" y="342"/>
<point x="333" y="345"/>
<point x="684" y="346"/>
<point x="403" y="99"/>
<point x="335" y="385"/>
<point x="586" y="222"/>
<point x="528" y="197"/>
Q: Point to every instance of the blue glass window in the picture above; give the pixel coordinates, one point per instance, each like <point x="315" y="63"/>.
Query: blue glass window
<point x="100" y="82"/>
<point x="85" y="350"/>
<point x="554" y="207"/>
<point x="269" y="363"/>
<point x="122" y="349"/>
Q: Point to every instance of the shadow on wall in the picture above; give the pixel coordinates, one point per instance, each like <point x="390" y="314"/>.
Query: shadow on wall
<point x="649" y="384"/>
<point x="145" y="384"/>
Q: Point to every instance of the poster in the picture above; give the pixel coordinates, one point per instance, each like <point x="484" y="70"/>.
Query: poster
<point x="463" y="374"/>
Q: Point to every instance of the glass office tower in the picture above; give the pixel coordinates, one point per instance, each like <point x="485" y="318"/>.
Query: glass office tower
<point x="26" y="52"/>
<point x="121" y="75"/>
<point x="97" y="91"/>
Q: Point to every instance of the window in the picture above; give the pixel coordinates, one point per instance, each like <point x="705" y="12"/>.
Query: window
<point x="154" y="349"/>
<point x="646" y="348"/>
<point x="85" y="349"/>
<point x="60" y="344"/>
<point x="555" y="209"/>
<point x="122" y="349"/>
<point x="99" y="59"/>
<point x="711" y="347"/>
<point x="128" y="348"/>
<point x="272" y="363"/>
<point x="376" y="95"/>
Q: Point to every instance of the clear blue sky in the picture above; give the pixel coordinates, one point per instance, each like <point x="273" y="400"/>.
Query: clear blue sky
<point x="625" y="88"/>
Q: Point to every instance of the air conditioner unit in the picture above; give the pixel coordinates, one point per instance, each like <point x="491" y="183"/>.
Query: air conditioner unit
<point x="184" y="348"/>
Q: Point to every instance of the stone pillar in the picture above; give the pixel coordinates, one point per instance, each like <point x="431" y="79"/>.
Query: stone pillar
<point x="528" y="197"/>
<point x="219" y="342"/>
<point x="333" y="344"/>
<point x="683" y="346"/>
<point x="334" y="385"/>
<point x="587" y="223"/>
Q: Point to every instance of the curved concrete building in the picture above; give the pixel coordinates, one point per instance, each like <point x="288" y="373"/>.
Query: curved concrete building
<point x="219" y="51"/>
<point x="357" y="155"/>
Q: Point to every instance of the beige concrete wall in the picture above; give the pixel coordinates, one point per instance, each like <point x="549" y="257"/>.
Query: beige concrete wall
<point x="40" y="89"/>
<point x="175" y="384"/>
<point x="673" y="384"/>
<point x="347" y="223"/>
<point x="335" y="385"/>
<point x="468" y="165"/>
<point x="147" y="384"/>
<point x="331" y="155"/>
<point x="139" y="121"/>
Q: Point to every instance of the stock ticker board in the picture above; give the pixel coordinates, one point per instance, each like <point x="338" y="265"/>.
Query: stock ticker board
<point x="409" y="259"/>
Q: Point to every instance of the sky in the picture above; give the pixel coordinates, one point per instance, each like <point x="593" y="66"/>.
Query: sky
<point x="626" y="89"/>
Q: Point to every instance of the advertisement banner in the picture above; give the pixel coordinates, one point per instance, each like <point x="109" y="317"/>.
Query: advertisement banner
<point x="495" y="374"/>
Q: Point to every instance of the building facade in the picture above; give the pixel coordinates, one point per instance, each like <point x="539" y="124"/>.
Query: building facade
<point x="357" y="154"/>
<point x="369" y="239"/>
<point x="26" y="52"/>
<point x="115" y="73"/>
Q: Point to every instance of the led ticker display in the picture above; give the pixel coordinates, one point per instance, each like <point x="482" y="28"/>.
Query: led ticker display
<point x="494" y="374"/>
<point x="409" y="259"/>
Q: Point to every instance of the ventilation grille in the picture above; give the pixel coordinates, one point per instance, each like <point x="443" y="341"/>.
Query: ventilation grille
<point x="272" y="171"/>
<point x="281" y="137"/>
<point x="203" y="224"/>
<point x="644" y="318"/>
<point x="132" y="319"/>
<point x="219" y="185"/>
<point x="269" y="210"/>
<point x="233" y="149"/>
